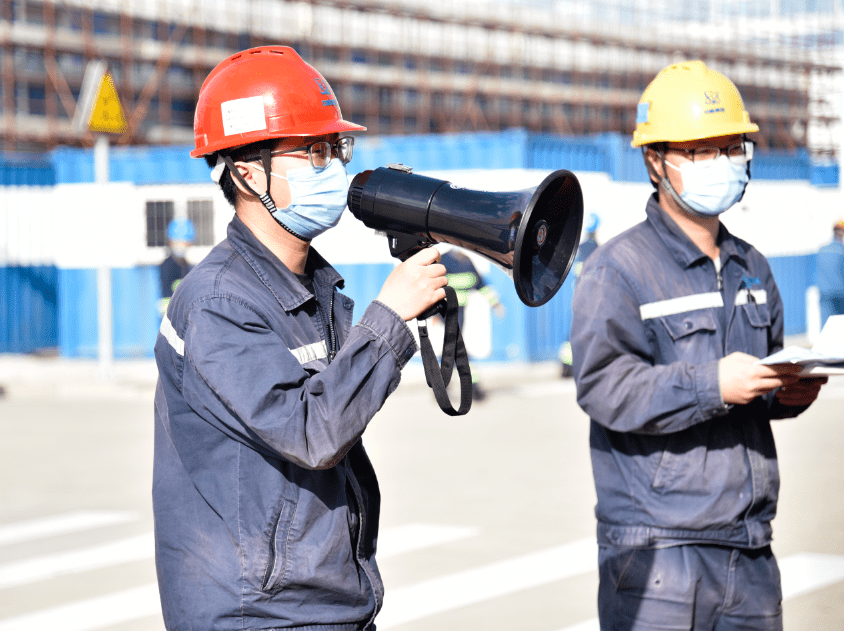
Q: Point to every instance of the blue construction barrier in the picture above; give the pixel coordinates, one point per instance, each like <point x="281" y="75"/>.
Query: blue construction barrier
<point x="512" y="149"/>
<point x="28" y="308"/>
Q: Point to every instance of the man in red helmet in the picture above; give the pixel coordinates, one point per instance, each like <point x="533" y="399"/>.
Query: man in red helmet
<point x="266" y="505"/>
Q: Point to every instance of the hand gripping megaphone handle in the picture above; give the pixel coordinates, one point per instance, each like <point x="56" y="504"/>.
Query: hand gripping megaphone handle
<point x="454" y="355"/>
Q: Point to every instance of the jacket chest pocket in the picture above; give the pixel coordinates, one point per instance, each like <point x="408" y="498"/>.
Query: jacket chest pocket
<point x="691" y="334"/>
<point x="754" y="321"/>
<point x="279" y="542"/>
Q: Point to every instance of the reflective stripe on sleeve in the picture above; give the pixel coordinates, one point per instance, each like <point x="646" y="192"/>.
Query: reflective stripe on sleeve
<point x="310" y="352"/>
<point x="166" y="329"/>
<point x="760" y="296"/>
<point x="680" y="305"/>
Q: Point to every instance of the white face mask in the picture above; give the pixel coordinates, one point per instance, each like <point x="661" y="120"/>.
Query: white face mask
<point x="317" y="198"/>
<point x="712" y="186"/>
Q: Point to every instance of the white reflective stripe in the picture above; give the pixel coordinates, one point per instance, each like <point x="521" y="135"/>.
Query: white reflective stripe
<point x="171" y="336"/>
<point x="310" y="352"/>
<point x="681" y="305"/>
<point x="760" y="297"/>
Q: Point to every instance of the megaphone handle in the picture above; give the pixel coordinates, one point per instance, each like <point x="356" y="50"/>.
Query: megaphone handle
<point x="454" y="354"/>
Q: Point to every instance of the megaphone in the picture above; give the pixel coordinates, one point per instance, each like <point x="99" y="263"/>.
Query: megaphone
<point x="531" y="234"/>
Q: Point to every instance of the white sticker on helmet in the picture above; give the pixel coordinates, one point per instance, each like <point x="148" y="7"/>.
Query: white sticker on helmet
<point x="243" y="115"/>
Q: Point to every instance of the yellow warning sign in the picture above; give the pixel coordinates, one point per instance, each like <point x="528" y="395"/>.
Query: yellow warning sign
<point x="107" y="114"/>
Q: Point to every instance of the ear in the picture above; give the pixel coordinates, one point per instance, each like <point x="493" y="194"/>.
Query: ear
<point x="653" y="162"/>
<point x="254" y="177"/>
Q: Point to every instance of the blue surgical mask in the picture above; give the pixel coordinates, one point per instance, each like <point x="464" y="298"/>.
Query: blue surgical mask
<point x="712" y="186"/>
<point x="317" y="198"/>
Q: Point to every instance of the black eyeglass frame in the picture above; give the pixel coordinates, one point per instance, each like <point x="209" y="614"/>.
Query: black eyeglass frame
<point x="345" y="144"/>
<point x="747" y="149"/>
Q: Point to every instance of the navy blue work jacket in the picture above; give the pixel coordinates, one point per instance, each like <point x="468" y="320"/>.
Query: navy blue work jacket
<point x="266" y="505"/>
<point x="652" y="317"/>
<point x="830" y="270"/>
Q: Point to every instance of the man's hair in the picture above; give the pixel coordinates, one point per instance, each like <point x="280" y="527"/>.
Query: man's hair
<point x="246" y="153"/>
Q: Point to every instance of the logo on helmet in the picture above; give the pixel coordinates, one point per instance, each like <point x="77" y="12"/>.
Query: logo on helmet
<point x="712" y="98"/>
<point x="324" y="89"/>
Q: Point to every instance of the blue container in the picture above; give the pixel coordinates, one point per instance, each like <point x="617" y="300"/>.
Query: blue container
<point x="28" y="313"/>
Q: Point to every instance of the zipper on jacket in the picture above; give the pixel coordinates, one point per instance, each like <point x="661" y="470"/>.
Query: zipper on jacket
<point x="331" y="342"/>
<point x="331" y="333"/>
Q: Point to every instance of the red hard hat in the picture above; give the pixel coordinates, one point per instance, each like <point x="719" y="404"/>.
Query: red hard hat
<point x="261" y="93"/>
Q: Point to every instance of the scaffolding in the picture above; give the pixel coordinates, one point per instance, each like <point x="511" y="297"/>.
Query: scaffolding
<point x="426" y="66"/>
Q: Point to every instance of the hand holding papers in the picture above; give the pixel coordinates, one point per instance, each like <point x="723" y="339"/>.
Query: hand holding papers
<point x="826" y="357"/>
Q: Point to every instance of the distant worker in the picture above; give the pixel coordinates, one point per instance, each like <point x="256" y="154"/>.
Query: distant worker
<point x="830" y="278"/>
<point x="180" y="236"/>
<point x="464" y="278"/>
<point x="586" y="247"/>
<point x="670" y="319"/>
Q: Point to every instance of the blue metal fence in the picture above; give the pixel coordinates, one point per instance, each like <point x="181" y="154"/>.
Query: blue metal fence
<point x="41" y="306"/>
<point x="28" y="308"/>
<point x="512" y="149"/>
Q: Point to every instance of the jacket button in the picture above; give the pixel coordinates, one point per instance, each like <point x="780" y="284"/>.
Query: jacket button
<point x="347" y="304"/>
<point x="408" y="353"/>
<point x="688" y="325"/>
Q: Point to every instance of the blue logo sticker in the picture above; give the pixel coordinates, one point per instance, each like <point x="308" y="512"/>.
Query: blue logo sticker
<point x="747" y="282"/>
<point x="323" y="86"/>
<point x="642" y="112"/>
<point x="712" y="98"/>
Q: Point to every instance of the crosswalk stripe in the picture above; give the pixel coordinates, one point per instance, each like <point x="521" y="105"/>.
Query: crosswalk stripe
<point x="801" y="573"/>
<point x="76" y="521"/>
<point x="410" y="537"/>
<point x="413" y="602"/>
<point x="76" y="561"/>
<point x="90" y="614"/>
<point x="392" y="542"/>
<point x="805" y="572"/>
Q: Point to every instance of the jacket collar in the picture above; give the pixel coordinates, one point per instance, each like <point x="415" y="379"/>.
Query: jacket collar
<point x="682" y="248"/>
<point x="275" y="275"/>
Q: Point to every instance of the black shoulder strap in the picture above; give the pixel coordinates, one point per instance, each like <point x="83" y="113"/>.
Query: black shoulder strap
<point x="454" y="354"/>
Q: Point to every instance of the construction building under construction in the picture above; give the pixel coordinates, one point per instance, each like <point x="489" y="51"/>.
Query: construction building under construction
<point x="423" y="66"/>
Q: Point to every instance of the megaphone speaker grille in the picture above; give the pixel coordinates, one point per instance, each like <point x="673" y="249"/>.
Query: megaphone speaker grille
<point x="549" y="233"/>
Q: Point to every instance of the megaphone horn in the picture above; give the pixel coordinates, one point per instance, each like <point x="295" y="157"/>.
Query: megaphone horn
<point x="531" y="234"/>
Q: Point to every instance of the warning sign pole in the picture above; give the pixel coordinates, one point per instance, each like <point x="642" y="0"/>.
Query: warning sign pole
<point x="99" y="111"/>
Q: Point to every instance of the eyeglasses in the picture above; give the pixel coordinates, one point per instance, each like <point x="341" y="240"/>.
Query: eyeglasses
<point x="321" y="153"/>
<point x="739" y="153"/>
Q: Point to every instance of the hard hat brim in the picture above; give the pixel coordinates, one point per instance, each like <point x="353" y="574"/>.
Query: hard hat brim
<point x="640" y="138"/>
<point x="313" y="129"/>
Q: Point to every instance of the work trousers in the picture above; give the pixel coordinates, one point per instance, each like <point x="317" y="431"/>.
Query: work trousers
<point x="689" y="587"/>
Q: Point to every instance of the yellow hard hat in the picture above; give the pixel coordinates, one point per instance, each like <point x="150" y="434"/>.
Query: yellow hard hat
<point x="688" y="101"/>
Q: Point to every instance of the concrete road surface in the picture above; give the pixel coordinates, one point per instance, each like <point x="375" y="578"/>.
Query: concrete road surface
<point x="487" y="519"/>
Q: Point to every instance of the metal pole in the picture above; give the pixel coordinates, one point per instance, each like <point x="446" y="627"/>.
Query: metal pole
<point x="104" y="293"/>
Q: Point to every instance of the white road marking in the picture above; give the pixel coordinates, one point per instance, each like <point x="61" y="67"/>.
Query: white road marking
<point x="801" y="573"/>
<point x="61" y="524"/>
<point x="103" y="611"/>
<point x="402" y="539"/>
<point x="76" y="561"/>
<point x="392" y="542"/>
<point x="94" y="613"/>
<point x="807" y="571"/>
<point x="414" y="602"/>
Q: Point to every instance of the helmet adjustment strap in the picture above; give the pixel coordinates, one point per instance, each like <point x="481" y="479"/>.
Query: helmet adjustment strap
<point x="666" y="184"/>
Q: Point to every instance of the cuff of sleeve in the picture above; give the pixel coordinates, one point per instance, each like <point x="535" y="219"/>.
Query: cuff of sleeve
<point x="708" y="388"/>
<point x="388" y="325"/>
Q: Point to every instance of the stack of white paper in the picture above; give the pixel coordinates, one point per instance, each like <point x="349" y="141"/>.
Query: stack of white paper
<point x="826" y="357"/>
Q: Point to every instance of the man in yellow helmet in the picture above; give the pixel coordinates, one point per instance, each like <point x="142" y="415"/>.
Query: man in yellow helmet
<point x="669" y="320"/>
